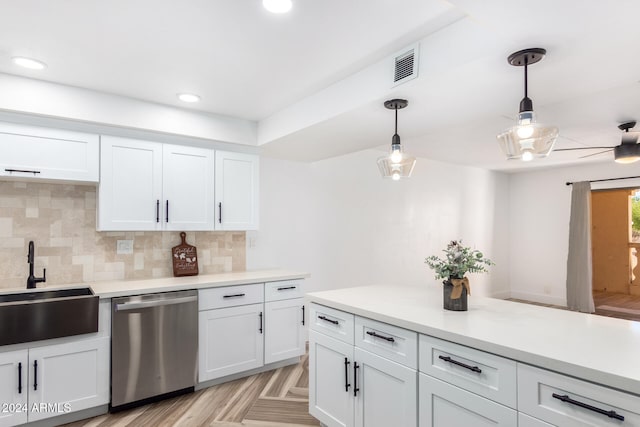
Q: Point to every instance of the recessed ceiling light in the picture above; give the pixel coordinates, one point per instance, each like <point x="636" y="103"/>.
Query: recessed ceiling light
<point x="32" y="64"/>
<point x="188" y="97"/>
<point x="277" y="6"/>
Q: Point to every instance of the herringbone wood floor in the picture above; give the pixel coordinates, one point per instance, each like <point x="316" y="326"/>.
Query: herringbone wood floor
<point x="270" y="399"/>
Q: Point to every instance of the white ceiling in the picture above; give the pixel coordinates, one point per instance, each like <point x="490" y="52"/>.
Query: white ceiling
<point x="248" y="63"/>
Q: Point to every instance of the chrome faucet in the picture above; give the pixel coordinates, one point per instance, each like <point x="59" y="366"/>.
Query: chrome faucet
<point x="32" y="280"/>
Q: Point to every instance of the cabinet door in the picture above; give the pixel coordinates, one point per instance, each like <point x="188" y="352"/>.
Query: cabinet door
<point x="68" y="377"/>
<point x="231" y="341"/>
<point x="236" y="191"/>
<point x="445" y="405"/>
<point x="283" y="330"/>
<point x="387" y="393"/>
<point x="187" y="188"/>
<point x="330" y="380"/>
<point x="34" y="152"/>
<point x="130" y="192"/>
<point x="13" y="388"/>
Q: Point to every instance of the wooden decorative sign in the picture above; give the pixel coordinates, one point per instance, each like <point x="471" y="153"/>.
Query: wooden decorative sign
<point x="185" y="259"/>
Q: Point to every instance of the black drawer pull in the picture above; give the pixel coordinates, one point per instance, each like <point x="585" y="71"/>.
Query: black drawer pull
<point x="21" y="171"/>
<point x="220" y="212"/>
<point x="373" y="334"/>
<point x="335" y="322"/>
<point x="286" y="288"/>
<point x="464" y="365"/>
<point x="166" y="218"/>
<point x="233" y="296"/>
<point x="303" y="315"/>
<point x="157" y="210"/>
<point x="260" y="322"/>
<point x="610" y="414"/>
<point x="20" y="377"/>
<point x="346" y="375"/>
<point x="35" y="375"/>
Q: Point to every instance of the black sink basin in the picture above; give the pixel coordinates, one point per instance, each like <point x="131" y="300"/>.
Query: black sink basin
<point x="34" y="316"/>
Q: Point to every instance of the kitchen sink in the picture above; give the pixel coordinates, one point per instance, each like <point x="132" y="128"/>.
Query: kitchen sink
<point x="42" y="315"/>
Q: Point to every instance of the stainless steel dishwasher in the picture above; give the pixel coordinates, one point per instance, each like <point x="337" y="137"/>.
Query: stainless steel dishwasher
<point x="154" y="345"/>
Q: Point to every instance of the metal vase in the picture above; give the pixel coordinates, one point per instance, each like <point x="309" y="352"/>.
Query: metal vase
<point x="459" y="304"/>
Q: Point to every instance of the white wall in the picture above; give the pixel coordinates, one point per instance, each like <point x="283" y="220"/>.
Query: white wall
<point x="340" y="221"/>
<point x="539" y="205"/>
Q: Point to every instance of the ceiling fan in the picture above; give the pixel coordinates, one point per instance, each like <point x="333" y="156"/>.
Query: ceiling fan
<point x="627" y="152"/>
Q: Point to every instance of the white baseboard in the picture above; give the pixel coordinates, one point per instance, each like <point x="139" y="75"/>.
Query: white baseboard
<point x="541" y="298"/>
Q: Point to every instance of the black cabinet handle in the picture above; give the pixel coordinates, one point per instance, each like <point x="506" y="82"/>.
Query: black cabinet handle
<point x="303" y="315"/>
<point x="610" y="414"/>
<point x="464" y="365"/>
<point x="21" y="171"/>
<point x="220" y="212"/>
<point x="346" y="375"/>
<point x="373" y="334"/>
<point x="355" y="378"/>
<point x="260" y="322"/>
<point x="233" y="296"/>
<point x="335" y="322"/>
<point x="35" y="375"/>
<point x="20" y="377"/>
<point x="166" y="218"/>
<point x="286" y="288"/>
<point x="157" y="210"/>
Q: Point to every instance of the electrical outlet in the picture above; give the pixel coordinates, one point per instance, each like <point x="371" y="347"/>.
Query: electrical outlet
<point x="124" y="247"/>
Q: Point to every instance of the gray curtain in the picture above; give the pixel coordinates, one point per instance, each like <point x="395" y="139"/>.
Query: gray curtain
<point x="579" y="286"/>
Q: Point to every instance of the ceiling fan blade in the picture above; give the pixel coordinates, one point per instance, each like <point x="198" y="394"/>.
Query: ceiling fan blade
<point x="595" y="154"/>
<point x="581" y="148"/>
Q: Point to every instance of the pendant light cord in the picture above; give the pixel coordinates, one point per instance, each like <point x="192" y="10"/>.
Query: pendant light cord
<point x="396" y="121"/>
<point x="526" y="63"/>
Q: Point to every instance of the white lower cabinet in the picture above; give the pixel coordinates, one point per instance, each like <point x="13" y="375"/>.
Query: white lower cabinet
<point x="231" y="340"/>
<point x="385" y="392"/>
<point x="47" y="381"/>
<point x="239" y="331"/>
<point x="284" y="335"/>
<point x="330" y="380"/>
<point x="13" y="387"/>
<point x="445" y="405"/>
<point x="525" y="420"/>
<point x="350" y="386"/>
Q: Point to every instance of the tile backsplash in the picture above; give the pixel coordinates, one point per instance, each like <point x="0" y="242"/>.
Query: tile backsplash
<point x="61" y="220"/>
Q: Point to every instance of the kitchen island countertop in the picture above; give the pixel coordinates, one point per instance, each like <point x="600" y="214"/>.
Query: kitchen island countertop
<point x="599" y="349"/>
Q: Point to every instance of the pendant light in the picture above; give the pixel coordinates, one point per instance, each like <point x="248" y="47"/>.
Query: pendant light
<point x="527" y="139"/>
<point x="397" y="164"/>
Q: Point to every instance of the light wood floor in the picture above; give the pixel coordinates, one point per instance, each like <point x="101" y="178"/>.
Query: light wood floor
<point x="631" y="302"/>
<point x="277" y="398"/>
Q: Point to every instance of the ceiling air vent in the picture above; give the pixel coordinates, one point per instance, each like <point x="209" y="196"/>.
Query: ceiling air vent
<point x="405" y="65"/>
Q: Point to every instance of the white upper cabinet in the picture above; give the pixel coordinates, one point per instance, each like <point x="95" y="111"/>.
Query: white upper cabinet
<point x="130" y="192"/>
<point x="151" y="186"/>
<point x="187" y="188"/>
<point x="33" y="152"/>
<point x="237" y="193"/>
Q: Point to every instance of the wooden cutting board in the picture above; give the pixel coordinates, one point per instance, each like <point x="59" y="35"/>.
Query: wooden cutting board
<point x="185" y="259"/>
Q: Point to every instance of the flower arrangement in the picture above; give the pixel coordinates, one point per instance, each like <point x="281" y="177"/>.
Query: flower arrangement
<point x="458" y="261"/>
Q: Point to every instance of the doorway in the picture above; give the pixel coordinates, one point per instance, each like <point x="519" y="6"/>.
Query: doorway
<point x="615" y="248"/>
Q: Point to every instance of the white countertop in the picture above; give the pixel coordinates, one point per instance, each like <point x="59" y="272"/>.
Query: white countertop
<point x="118" y="288"/>
<point x="595" y="348"/>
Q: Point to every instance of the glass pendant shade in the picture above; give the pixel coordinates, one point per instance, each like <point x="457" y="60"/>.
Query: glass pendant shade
<point x="527" y="139"/>
<point x="397" y="164"/>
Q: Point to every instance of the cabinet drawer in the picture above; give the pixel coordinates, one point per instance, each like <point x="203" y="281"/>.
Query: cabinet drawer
<point x="486" y="374"/>
<point x="537" y="388"/>
<point x="332" y="322"/>
<point x="445" y="405"/>
<point x="230" y="296"/>
<point x="285" y="289"/>
<point x="392" y="342"/>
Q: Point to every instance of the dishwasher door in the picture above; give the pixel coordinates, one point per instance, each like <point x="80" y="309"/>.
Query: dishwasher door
<point x="154" y="345"/>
